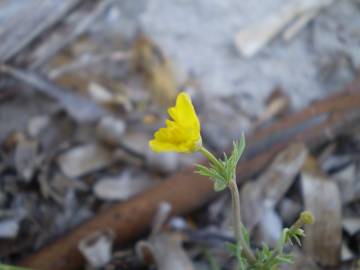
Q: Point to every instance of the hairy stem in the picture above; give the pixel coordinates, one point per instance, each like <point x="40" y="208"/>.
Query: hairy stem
<point x="235" y="207"/>
<point x="237" y="221"/>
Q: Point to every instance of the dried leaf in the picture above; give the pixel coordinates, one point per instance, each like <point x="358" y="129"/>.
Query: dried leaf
<point x="322" y="198"/>
<point x="157" y="70"/>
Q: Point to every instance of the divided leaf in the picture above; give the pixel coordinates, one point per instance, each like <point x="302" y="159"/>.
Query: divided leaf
<point x="223" y="171"/>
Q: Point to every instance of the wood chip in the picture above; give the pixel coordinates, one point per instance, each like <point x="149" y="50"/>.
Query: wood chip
<point x="253" y="38"/>
<point x="79" y="107"/>
<point x="9" y="228"/>
<point x="346" y="253"/>
<point x="97" y="248"/>
<point x="110" y="130"/>
<point x="166" y="251"/>
<point x="99" y="93"/>
<point x="281" y="174"/>
<point x="84" y="159"/>
<point x="272" y="184"/>
<point x="351" y="225"/>
<point x="81" y="27"/>
<point x="322" y="198"/>
<point x="37" y="124"/>
<point x="346" y="180"/>
<point x="277" y="104"/>
<point x="299" y="24"/>
<point x="122" y="187"/>
<point x="270" y="228"/>
<point x="26" y="158"/>
<point x="30" y="25"/>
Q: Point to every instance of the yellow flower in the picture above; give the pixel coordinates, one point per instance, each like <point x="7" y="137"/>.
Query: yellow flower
<point x="182" y="133"/>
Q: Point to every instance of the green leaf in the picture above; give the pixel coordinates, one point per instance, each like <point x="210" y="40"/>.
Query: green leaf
<point x="239" y="147"/>
<point x="297" y="239"/>
<point x="287" y="259"/>
<point x="219" y="185"/>
<point x="232" y="247"/>
<point x="246" y="235"/>
<point x="222" y="172"/>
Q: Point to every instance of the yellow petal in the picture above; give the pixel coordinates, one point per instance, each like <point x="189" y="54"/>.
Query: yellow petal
<point x="158" y="146"/>
<point x="182" y="133"/>
<point x="184" y="112"/>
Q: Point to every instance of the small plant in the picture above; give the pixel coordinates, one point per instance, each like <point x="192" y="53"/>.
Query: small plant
<point x="182" y="134"/>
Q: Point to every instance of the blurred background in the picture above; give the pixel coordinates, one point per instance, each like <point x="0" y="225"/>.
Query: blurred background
<point x="84" y="85"/>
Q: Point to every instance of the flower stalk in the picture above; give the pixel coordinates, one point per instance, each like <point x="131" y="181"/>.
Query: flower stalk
<point x="235" y="199"/>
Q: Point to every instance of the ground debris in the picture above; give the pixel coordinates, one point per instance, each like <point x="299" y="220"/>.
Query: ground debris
<point x="110" y="130"/>
<point x="80" y="108"/>
<point x="84" y="159"/>
<point x="252" y="39"/>
<point x="26" y="158"/>
<point x="157" y="69"/>
<point x="270" y="188"/>
<point x="97" y="248"/>
<point x="87" y="83"/>
<point x="324" y="237"/>
<point x="164" y="249"/>
<point x="9" y="228"/>
<point x="122" y="187"/>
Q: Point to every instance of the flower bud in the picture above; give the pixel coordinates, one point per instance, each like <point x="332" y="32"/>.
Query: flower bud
<point x="307" y="217"/>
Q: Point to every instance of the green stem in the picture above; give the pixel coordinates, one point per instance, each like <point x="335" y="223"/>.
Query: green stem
<point x="235" y="199"/>
<point x="235" y="207"/>
<point x="298" y="224"/>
